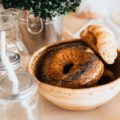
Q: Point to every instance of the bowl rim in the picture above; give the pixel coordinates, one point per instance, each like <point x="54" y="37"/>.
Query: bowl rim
<point x="35" y="57"/>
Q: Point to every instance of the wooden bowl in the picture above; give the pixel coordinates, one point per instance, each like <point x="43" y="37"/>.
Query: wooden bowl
<point x="77" y="99"/>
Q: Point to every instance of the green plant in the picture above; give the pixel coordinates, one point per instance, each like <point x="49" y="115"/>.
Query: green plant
<point x="46" y="9"/>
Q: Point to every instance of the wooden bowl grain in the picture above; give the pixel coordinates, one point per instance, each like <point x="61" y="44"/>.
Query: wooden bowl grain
<point x="77" y="99"/>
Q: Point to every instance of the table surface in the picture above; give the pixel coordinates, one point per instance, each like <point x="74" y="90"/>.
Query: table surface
<point x="108" y="111"/>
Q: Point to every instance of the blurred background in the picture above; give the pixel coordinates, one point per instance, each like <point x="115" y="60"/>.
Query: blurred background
<point x="43" y="22"/>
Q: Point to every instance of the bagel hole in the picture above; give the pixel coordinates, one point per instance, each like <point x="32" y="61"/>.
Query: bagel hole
<point x="67" y="68"/>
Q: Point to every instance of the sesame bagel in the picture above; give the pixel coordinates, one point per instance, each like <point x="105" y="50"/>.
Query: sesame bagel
<point x="69" y="64"/>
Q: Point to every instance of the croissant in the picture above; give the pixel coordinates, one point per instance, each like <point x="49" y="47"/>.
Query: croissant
<point x="102" y="40"/>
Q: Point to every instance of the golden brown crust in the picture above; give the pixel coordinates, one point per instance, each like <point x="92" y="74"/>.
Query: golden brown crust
<point x="70" y="65"/>
<point x="102" y="40"/>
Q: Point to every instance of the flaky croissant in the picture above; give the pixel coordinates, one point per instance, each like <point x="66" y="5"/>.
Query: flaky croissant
<point x="102" y="40"/>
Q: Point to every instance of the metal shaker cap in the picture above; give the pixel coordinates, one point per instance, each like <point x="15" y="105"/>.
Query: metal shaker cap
<point x="14" y="60"/>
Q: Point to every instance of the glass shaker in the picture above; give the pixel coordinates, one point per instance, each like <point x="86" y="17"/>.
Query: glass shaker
<point x="22" y="106"/>
<point x="9" y="31"/>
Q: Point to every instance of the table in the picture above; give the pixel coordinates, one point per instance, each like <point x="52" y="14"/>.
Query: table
<point x="109" y="111"/>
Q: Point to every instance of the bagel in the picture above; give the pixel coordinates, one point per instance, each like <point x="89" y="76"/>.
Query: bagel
<point x="69" y="64"/>
<point x="102" y="40"/>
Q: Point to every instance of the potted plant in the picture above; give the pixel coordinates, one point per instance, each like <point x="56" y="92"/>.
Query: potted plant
<point x="43" y="21"/>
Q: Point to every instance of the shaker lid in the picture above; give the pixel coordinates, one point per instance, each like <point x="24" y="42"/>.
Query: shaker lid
<point x="14" y="60"/>
<point x="27" y="87"/>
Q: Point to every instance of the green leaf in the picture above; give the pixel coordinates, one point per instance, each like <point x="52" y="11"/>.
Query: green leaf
<point x="46" y="9"/>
